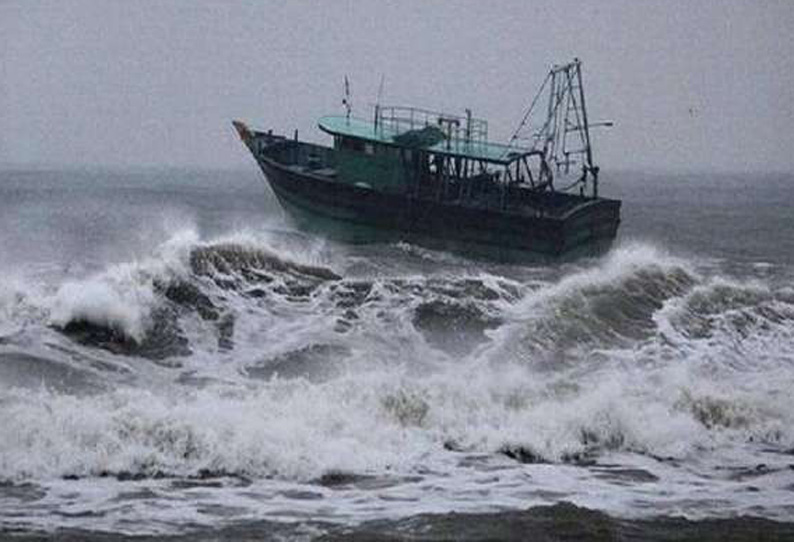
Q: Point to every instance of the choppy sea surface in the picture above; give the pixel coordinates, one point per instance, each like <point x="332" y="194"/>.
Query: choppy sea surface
<point x="178" y="360"/>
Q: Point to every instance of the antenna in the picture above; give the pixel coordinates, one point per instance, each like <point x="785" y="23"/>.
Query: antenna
<point x="377" y="100"/>
<point x="380" y="88"/>
<point x="346" y="101"/>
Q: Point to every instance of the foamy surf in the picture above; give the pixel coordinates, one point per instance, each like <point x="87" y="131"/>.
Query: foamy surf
<point x="187" y="376"/>
<point x="276" y="369"/>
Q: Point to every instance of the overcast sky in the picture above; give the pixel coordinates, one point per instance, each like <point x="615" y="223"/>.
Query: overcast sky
<point x="690" y="85"/>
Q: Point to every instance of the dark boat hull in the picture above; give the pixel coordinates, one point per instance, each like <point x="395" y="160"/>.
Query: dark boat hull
<point x="331" y="206"/>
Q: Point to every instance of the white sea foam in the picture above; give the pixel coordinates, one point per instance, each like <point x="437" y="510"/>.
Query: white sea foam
<point x="122" y="297"/>
<point x="387" y="420"/>
<point x="398" y="405"/>
<point x="105" y="304"/>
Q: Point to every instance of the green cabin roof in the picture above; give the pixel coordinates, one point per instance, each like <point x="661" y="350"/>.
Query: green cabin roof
<point x="425" y="138"/>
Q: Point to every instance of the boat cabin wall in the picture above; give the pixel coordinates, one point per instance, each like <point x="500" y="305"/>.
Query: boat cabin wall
<point x="363" y="162"/>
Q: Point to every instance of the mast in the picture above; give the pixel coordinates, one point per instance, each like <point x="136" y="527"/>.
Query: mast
<point x="586" y="128"/>
<point x="562" y="138"/>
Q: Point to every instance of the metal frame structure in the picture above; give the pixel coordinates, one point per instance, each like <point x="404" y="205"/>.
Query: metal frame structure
<point x="458" y="130"/>
<point x="563" y="138"/>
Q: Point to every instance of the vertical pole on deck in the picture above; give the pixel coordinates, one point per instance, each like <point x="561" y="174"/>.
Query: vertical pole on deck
<point x="588" y="149"/>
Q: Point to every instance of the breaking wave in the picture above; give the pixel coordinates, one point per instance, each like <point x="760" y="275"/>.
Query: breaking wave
<point x="379" y="423"/>
<point x="284" y="363"/>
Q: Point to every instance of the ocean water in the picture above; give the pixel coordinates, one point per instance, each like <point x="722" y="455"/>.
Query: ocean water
<point x="177" y="359"/>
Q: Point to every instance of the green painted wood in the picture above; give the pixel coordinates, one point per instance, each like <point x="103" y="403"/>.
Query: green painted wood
<point x="382" y="170"/>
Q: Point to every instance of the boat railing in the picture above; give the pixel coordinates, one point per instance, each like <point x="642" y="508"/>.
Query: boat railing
<point x="457" y="129"/>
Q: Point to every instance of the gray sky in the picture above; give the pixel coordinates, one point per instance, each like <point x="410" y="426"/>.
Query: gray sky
<point x="691" y="85"/>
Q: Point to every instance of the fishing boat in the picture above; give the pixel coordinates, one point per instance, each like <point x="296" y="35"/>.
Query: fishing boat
<point x="421" y="174"/>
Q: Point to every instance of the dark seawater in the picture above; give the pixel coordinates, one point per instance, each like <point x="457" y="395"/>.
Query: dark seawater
<point x="177" y="360"/>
